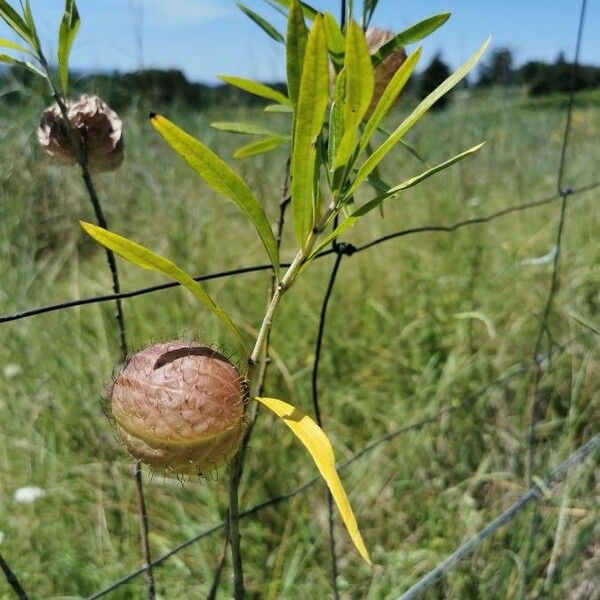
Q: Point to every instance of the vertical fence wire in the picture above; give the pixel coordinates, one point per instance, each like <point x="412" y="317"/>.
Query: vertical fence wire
<point x="544" y="330"/>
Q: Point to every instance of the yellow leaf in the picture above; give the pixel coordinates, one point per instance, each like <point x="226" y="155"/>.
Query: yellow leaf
<point x="318" y="445"/>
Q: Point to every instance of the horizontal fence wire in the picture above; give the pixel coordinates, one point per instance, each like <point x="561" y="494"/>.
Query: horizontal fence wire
<point x="466" y="402"/>
<point x="267" y="267"/>
<point x="532" y="495"/>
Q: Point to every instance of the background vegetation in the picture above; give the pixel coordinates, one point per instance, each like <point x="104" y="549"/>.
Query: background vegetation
<point x="415" y="325"/>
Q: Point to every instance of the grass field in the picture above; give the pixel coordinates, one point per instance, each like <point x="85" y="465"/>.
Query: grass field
<point x="415" y="325"/>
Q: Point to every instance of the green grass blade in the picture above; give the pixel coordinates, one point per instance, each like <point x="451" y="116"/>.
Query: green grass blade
<point x="312" y="103"/>
<point x="15" y="21"/>
<point x="410" y="36"/>
<point x="219" y="176"/>
<point x="360" y="83"/>
<point x="261" y="146"/>
<point x="297" y="34"/>
<point x="69" y="27"/>
<point x="389" y="97"/>
<point x="394" y="191"/>
<point x="256" y="88"/>
<point x="143" y="257"/>
<point x="377" y="156"/>
<point x="241" y="128"/>
<point x="262" y="23"/>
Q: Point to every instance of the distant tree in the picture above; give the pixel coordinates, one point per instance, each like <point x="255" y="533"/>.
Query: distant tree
<point x="431" y="77"/>
<point x="498" y="69"/>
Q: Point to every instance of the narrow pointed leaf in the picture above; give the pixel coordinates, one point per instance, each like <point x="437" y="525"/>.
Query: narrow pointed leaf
<point x="297" y="35"/>
<point x="308" y="10"/>
<point x="377" y="156"/>
<point x="15" y="21"/>
<point x="279" y="108"/>
<point x="394" y="191"/>
<point x="66" y="36"/>
<point x="262" y="23"/>
<point x="256" y="88"/>
<point x="336" y="43"/>
<point x="319" y="447"/>
<point x="411" y="35"/>
<point x="219" y="176"/>
<point x="336" y="122"/>
<point x="241" y="128"/>
<point x="312" y="103"/>
<point x="145" y="258"/>
<point x="360" y="83"/>
<point x="4" y="43"/>
<point x="30" y="21"/>
<point x="9" y="60"/>
<point x="389" y="97"/>
<point x="261" y="146"/>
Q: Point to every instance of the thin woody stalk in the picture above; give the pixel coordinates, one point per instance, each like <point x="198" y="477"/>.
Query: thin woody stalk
<point x="82" y="160"/>
<point x="255" y="364"/>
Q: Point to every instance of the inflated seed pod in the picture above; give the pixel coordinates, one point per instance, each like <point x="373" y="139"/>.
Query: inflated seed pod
<point x="179" y="406"/>
<point x="94" y="123"/>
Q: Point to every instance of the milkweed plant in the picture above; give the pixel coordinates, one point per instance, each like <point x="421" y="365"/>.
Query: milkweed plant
<point x="180" y="406"/>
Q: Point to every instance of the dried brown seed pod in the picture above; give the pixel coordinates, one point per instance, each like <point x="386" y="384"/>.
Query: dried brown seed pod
<point x="384" y="72"/>
<point x="179" y="407"/>
<point x="94" y="123"/>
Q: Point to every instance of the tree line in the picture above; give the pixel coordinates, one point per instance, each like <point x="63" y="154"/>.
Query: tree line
<point x="158" y="87"/>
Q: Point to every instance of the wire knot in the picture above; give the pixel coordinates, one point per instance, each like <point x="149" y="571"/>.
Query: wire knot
<point x="345" y="249"/>
<point x="564" y="192"/>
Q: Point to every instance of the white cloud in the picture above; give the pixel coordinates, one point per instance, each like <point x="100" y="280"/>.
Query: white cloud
<point x="172" y="13"/>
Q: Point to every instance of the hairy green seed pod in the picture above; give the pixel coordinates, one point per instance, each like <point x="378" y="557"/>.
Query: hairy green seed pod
<point x="179" y="406"/>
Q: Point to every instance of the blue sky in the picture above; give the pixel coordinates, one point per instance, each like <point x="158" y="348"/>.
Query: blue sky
<point x="207" y="37"/>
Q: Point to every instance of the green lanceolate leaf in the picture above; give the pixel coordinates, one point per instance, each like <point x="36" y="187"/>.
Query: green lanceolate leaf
<point x="256" y="88"/>
<point x="390" y="193"/>
<point x="28" y="16"/>
<point x="261" y="146"/>
<point x="319" y="447"/>
<point x="69" y="27"/>
<point x="9" y="60"/>
<point x="312" y="103"/>
<point x="410" y="36"/>
<point x="389" y="97"/>
<point x="336" y="124"/>
<point x="262" y="23"/>
<point x="336" y="43"/>
<point x="360" y="83"/>
<point x="4" y="43"/>
<point x="297" y="34"/>
<point x="142" y="257"/>
<point x="369" y="7"/>
<point x="15" y="21"/>
<point x="279" y="108"/>
<point x="219" y="176"/>
<point x="367" y="168"/>
<point x="241" y="128"/>
<point x="308" y="10"/>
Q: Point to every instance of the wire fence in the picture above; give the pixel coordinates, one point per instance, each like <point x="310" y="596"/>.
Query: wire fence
<point x="341" y="250"/>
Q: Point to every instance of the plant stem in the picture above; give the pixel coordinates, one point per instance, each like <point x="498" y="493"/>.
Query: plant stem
<point x="263" y="362"/>
<point x="82" y="160"/>
<point x="12" y="580"/>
